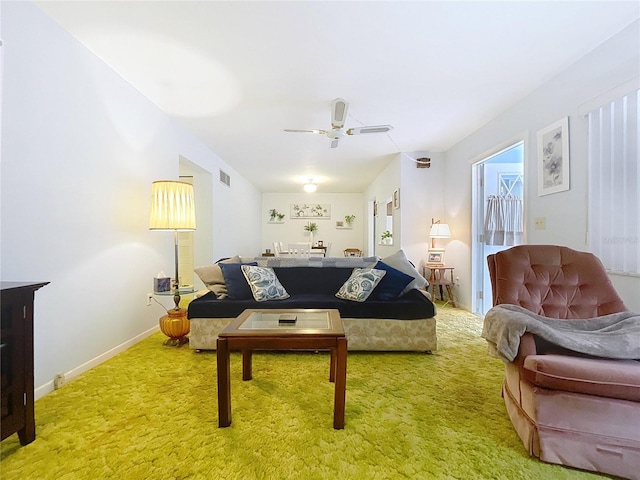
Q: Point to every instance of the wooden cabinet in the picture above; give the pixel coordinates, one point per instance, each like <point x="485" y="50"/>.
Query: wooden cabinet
<point x="16" y="350"/>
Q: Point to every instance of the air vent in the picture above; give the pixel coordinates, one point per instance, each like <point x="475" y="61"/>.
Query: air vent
<point x="423" y="163"/>
<point x="225" y="178"/>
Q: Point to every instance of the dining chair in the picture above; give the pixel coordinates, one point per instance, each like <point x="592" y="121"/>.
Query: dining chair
<point x="301" y="250"/>
<point x="352" y="252"/>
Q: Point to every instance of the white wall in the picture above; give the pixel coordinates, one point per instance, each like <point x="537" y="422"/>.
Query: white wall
<point x="292" y="229"/>
<point x="80" y="149"/>
<point x="422" y="197"/>
<point x="611" y="64"/>
<point x="380" y="190"/>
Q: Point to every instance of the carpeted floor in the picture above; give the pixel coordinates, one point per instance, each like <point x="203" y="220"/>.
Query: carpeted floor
<point x="151" y="413"/>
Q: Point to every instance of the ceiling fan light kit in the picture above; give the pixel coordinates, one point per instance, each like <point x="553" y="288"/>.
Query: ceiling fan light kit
<point x="339" y="109"/>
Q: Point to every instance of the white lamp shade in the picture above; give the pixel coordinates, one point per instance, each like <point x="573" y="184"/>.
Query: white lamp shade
<point x="310" y="187"/>
<point x="440" y="230"/>
<point x="172" y="206"/>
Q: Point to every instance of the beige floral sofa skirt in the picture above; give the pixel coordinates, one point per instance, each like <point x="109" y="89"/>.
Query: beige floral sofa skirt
<point x="374" y="334"/>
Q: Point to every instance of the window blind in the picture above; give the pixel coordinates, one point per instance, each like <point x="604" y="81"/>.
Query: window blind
<point x="614" y="197"/>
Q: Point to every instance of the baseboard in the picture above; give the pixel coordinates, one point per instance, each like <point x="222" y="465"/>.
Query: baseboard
<point x="48" y="387"/>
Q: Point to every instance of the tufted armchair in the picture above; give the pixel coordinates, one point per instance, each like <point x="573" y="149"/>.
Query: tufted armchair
<point x="567" y="408"/>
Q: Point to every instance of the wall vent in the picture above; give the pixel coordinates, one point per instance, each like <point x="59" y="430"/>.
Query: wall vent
<point x="225" y="178"/>
<point x="423" y="162"/>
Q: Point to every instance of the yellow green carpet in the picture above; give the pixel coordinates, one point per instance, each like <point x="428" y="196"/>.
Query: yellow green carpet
<point x="151" y="413"/>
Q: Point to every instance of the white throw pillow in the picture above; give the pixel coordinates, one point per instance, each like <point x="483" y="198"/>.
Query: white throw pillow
<point x="360" y="284"/>
<point x="264" y="283"/>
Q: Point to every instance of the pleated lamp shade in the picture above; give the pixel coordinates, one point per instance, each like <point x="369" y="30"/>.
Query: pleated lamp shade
<point x="172" y="206"/>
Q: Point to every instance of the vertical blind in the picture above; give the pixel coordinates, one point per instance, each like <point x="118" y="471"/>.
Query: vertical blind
<point x="614" y="197"/>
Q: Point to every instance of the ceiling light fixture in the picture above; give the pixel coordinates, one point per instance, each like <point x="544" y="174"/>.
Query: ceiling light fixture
<point x="310" y="187"/>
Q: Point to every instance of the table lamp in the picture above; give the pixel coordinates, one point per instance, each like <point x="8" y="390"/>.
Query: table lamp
<point x="438" y="230"/>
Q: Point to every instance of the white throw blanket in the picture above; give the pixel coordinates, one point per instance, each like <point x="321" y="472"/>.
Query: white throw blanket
<point x="611" y="336"/>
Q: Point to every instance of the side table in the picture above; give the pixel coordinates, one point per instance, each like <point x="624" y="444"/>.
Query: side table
<point x="438" y="278"/>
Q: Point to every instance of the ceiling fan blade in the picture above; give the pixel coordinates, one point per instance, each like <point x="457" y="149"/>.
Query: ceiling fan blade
<point x="339" y="108"/>
<point x="322" y="132"/>
<point x="334" y="143"/>
<point x="370" y="129"/>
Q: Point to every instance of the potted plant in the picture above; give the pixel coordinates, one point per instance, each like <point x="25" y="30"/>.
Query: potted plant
<point x="273" y="214"/>
<point x="311" y="227"/>
<point x="348" y="219"/>
<point x="386" y="237"/>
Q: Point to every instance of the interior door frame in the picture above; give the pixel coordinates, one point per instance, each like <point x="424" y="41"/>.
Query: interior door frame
<point x="478" y="262"/>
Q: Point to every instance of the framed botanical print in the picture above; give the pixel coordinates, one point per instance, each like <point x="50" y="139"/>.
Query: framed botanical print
<point x="553" y="158"/>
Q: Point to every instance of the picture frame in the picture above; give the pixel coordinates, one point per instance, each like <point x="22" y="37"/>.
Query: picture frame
<point x="435" y="257"/>
<point x="553" y="158"/>
<point x="318" y="211"/>
<point x="339" y="224"/>
<point x="396" y="199"/>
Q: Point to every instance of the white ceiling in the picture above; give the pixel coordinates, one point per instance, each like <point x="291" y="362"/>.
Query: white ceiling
<point x="237" y="73"/>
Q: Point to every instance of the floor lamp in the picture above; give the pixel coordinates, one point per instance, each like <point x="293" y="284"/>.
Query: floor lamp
<point x="172" y="208"/>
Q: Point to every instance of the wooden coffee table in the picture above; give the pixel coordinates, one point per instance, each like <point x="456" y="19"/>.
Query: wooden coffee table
<point x="261" y="330"/>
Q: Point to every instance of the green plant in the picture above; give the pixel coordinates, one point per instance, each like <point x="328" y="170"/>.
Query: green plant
<point x="349" y="219"/>
<point x="311" y="227"/>
<point x="273" y="214"/>
<point x="386" y="234"/>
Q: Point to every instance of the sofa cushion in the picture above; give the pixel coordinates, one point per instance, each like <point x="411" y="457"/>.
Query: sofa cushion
<point x="400" y="261"/>
<point x="591" y="376"/>
<point x="392" y="284"/>
<point x="211" y="276"/>
<point x="237" y="286"/>
<point x="263" y="283"/>
<point x="410" y="306"/>
<point x="300" y="280"/>
<point x="360" y="284"/>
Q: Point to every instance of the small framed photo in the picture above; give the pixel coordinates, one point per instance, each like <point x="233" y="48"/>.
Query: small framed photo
<point x="436" y="256"/>
<point x="396" y="199"/>
<point x="553" y="158"/>
<point x="339" y="224"/>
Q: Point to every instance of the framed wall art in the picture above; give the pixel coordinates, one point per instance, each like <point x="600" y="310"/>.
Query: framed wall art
<point x="310" y="210"/>
<point x="435" y="257"/>
<point x="396" y="199"/>
<point x="553" y="158"/>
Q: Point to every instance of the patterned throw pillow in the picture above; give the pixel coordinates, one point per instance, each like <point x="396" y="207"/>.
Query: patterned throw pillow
<point x="264" y="283"/>
<point x="360" y="284"/>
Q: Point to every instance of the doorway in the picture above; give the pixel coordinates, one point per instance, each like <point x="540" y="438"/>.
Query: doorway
<point x="498" y="211"/>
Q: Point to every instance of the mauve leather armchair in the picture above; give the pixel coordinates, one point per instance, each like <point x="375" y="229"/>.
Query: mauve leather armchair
<point x="567" y="408"/>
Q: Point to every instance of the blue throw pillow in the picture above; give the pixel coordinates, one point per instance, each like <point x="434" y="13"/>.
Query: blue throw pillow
<point x="237" y="286"/>
<point x="392" y="284"/>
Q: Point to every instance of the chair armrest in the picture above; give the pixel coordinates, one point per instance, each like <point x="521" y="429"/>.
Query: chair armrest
<point x="527" y="347"/>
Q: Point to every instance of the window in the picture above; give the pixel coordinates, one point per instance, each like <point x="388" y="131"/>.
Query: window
<point x="614" y="197"/>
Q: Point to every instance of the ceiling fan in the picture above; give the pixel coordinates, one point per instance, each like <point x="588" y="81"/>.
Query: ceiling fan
<point x="339" y="109"/>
